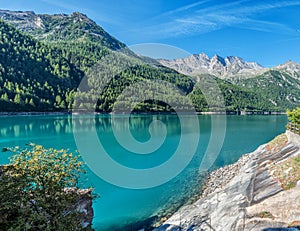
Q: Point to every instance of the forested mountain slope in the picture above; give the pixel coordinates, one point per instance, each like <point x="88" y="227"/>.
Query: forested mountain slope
<point x="33" y="75"/>
<point x="266" y="89"/>
<point x="279" y="88"/>
<point x="44" y="58"/>
<point x="43" y="76"/>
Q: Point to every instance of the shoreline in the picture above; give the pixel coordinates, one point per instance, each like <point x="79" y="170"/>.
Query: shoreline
<point x="213" y="182"/>
<point x="33" y="113"/>
<point x="137" y="113"/>
<point x="242" y="188"/>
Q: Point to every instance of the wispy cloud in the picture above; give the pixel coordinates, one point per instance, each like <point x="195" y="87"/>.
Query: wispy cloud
<point x="196" y="19"/>
<point x="266" y="26"/>
<point x="184" y="8"/>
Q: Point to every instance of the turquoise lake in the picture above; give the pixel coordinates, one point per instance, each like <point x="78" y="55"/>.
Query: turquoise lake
<point x="119" y="204"/>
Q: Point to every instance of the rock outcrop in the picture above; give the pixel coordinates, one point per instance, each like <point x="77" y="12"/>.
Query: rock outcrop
<point x="84" y="205"/>
<point x="291" y="68"/>
<point x="244" y="196"/>
<point x="27" y="20"/>
<point x="59" y="27"/>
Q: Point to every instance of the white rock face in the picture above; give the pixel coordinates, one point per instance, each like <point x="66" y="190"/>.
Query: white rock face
<point x="218" y="66"/>
<point x="291" y="68"/>
<point x="26" y="20"/>
<point x="238" y="204"/>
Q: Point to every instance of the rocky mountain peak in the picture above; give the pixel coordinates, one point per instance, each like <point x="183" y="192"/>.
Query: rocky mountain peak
<point x="24" y="20"/>
<point x="218" y="60"/>
<point x="217" y="65"/>
<point x="203" y="56"/>
<point x="233" y="60"/>
<point x="7" y="14"/>
<point x="290" y="67"/>
<point x="60" y="27"/>
<point x="79" y="17"/>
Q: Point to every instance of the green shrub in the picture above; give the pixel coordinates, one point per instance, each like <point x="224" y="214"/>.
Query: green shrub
<point x="33" y="193"/>
<point x="294" y="116"/>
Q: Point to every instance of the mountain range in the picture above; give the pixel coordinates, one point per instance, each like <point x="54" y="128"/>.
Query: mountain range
<point x="225" y="68"/>
<point x="221" y="67"/>
<point x="45" y="57"/>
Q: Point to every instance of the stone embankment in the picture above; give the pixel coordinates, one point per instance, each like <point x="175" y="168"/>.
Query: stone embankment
<point x="245" y="195"/>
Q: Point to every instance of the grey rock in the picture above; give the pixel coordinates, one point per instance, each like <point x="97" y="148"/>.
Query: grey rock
<point x="225" y="200"/>
<point x="291" y="68"/>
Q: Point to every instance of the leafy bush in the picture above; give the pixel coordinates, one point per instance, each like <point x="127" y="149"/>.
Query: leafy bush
<point x="294" y="116"/>
<point x="34" y="191"/>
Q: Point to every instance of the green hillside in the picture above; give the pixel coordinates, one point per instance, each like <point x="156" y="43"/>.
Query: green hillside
<point x="83" y="42"/>
<point x="279" y="89"/>
<point x="236" y="98"/>
<point x="42" y="76"/>
<point x="33" y="75"/>
<point x="43" y="62"/>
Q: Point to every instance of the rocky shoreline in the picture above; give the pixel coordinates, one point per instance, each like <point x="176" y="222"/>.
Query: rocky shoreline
<point x="217" y="179"/>
<point x="213" y="182"/>
<point x="239" y="196"/>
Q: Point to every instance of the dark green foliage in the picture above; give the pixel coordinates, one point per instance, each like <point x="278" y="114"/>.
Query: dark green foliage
<point x="243" y="99"/>
<point x="279" y="90"/>
<point x="236" y="98"/>
<point x="198" y="99"/>
<point x="107" y="89"/>
<point x="294" y="116"/>
<point x="83" y="55"/>
<point x="32" y="74"/>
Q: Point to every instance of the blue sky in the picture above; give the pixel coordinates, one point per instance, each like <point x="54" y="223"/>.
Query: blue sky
<point x="264" y="31"/>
